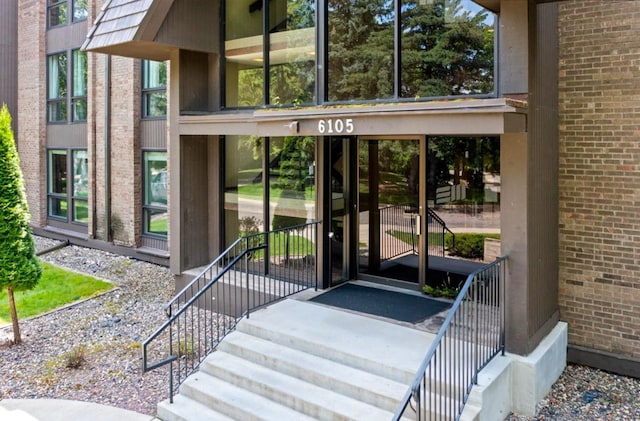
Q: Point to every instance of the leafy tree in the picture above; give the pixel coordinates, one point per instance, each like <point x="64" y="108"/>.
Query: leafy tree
<point x="20" y="269"/>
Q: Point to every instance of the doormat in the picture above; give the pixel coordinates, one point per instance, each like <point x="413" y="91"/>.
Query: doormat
<point x="382" y="302"/>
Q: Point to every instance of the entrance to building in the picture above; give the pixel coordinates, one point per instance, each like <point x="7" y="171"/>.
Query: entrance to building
<point x="376" y="203"/>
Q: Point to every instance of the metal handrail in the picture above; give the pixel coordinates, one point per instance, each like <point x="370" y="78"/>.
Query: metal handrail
<point x="256" y="270"/>
<point x="443" y="229"/>
<point x="461" y="349"/>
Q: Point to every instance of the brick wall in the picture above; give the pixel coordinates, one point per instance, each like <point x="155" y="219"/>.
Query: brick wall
<point x="31" y="113"/>
<point x="599" y="177"/>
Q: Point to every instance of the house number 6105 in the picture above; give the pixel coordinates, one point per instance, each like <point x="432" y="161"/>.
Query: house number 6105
<point x="338" y="125"/>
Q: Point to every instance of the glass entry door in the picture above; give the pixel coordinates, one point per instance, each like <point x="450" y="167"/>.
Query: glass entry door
<point x="388" y="209"/>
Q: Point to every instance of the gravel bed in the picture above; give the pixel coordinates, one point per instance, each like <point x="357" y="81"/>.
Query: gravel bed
<point x="107" y="329"/>
<point x="585" y="393"/>
<point x="111" y="327"/>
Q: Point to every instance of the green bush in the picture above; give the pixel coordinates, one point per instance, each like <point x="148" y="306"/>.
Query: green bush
<point x="468" y="245"/>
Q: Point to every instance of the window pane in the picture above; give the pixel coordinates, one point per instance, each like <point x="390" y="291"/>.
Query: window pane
<point x="80" y="174"/>
<point x="447" y="48"/>
<point x="291" y="180"/>
<point x="156" y="222"/>
<point x="361" y="49"/>
<point x="156" y="178"/>
<point x="154" y="74"/>
<point x="58" y="207"/>
<point x="244" y="56"/>
<point x="79" y="103"/>
<point x="57" y="87"/>
<point x="57" y="13"/>
<point x="57" y="77"/>
<point x="292" y="51"/>
<point x="244" y="186"/>
<point x="80" y="211"/>
<point x="80" y="11"/>
<point x="58" y="171"/>
<point x="155" y="104"/>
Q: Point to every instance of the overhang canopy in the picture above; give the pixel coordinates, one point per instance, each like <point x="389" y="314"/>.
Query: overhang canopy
<point x="471" y="117"/>
<point x="494" y="5"/>
<point x="129" y="28"/>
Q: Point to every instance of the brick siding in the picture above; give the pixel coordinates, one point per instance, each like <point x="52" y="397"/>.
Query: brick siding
<point x="599" y="177"/>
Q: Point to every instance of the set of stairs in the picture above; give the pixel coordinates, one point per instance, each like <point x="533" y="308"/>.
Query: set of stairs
<point x="298" y="360"/>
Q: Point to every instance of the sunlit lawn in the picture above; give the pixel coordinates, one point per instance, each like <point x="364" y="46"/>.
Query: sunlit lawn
<point x="56" y="288"/>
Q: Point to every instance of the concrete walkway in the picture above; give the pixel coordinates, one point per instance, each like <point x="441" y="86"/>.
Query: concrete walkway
<point x="64" y="410"/>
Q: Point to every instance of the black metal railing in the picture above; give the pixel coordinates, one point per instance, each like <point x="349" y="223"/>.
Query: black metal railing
<point x="437" y="233"/>
<point x="471" y="335"/>
<point x="254" y="271"/>
<point x="398" y="234"/>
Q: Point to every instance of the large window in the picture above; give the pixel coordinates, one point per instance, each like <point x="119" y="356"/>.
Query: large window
<point x="273" y="68"/>
<point x="370" y="50"/>
<point x="277" y="171"/>
<point x="61" y="193"/>
<point x="154" y="89"/>
<point x="155" y="181"/>
<point x="59" y="80"/>
<point x="57" y="87"/>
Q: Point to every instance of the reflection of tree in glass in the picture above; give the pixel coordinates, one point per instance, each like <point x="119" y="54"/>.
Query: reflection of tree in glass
<point x="295" y="158"/>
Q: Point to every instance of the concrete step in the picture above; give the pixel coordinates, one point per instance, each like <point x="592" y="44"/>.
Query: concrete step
<point x="304" y="397"/>
<point x="385" y="349"/>
<point x="354" y="383"/>
<point x="185" y="409"/>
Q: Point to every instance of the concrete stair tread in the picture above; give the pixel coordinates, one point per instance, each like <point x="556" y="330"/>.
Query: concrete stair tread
<point x="355" y="383"/>
<point x="358" y="341"/>
<point x="185" y="409"/>
<point x="235" y="402"/>
<point x="290" y="391"/>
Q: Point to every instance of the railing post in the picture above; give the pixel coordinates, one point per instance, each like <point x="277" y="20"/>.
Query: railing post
<point x="171" y="364"/>
<point x="246" y="275"/>
<point x="476" y="338"/>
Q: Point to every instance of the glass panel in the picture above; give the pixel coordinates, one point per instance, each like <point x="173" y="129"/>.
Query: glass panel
<point x="155" y="104"/>
<point x="58" y="171"/>
<point x="57" y="13"/>
<point x="156" y="178"/>
<point x="154" y="74"/>
<point x="244" y="186"/>
<point x="463" y="183"/>
<point x="58" y="207"/>
<point x="57" y="89"/>
<point x="80" y="211"/>
<point x="292" y="181"/>
<point x="361" y="46"/>
<point x="292" y="51"/>
<point x="80" y="174"/>
<point x="244" y="56"/>
<point x="79" y="105"/>
<point x="388" y="204"/>
<point x="80" y="11"/>
<point x="156" y="221"/>
<point x="447" y="48"/>
<point x="154" y="84"/>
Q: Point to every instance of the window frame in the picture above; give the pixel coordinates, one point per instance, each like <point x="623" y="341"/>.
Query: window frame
<point x="73" y="193"/>
<point x="147" y="92"/>
<point x="61" y="101"/>
<point x="73" y="98"/>
<point x="148" y="208"/>
<point x="53" y="4"/>
<point x="56" y="196"/>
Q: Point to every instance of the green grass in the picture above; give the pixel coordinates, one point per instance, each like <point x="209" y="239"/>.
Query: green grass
<point x="56" y="288"/>
<point x="298" y="246"/>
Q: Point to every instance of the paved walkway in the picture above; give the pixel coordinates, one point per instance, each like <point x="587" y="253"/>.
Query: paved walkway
<point x="64" y="410"/>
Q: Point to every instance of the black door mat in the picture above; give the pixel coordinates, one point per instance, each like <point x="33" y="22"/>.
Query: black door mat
<point x="382" y="302"/>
